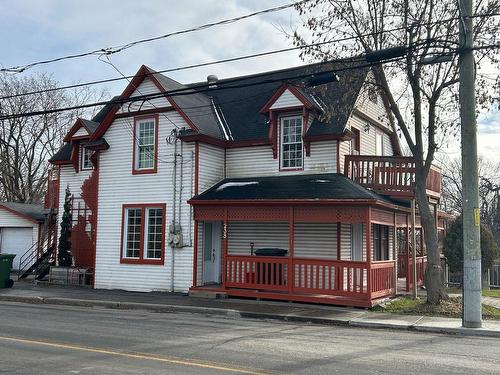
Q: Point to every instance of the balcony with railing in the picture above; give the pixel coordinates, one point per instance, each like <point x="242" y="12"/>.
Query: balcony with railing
<point x="390" y="175"/>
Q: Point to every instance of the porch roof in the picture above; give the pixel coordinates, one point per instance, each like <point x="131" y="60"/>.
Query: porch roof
<point x="325" y="186"/>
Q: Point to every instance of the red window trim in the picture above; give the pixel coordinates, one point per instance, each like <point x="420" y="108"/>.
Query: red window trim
<point x="155" y="167"/>
<point x="141" y="259"/>
<point x="280" y="117"/>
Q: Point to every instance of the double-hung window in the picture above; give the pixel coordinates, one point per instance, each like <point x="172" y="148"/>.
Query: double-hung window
<point x="380" y="242"/>
<point x="143" y="234"/>
<point x="85" y="162"/>
<point x="145" y="145"/>
<point x="291" y="143"/>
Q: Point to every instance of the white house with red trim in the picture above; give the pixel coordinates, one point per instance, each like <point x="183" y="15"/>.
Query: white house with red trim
<point x="258" y="186"/>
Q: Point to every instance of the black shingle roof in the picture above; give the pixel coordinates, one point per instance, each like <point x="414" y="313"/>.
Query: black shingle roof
<point x="34" y="211"/>
<point x="303" y="186"/>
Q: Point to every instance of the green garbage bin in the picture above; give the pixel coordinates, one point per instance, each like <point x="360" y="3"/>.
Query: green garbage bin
<point x="5" y="269"/>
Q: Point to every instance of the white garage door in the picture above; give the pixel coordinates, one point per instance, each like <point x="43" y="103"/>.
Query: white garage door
<point x="16" y="241"/>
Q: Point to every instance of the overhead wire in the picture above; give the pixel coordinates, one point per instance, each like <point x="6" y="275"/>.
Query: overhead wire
<point x="116" y="49"/>
<point x="231" y="59"/>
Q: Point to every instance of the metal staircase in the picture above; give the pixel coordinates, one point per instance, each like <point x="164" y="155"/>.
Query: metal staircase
<point x="38" y="258"/>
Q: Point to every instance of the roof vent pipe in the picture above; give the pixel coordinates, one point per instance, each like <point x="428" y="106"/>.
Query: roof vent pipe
<point x="212" y="80"/>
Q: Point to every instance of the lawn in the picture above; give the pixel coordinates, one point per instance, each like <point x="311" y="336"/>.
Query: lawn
<point x="486" y="293"/>
<point x="451" y="308"/>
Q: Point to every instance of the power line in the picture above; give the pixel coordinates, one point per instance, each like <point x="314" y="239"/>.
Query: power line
<point x="205" y="87"/>
<point x="116" y="49"/>
<point x="216" y="62"/>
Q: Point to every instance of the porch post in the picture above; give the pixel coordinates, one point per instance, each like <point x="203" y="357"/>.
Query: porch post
<point x="395" y="253"/>
<point x="368" y="232"/>
<point x="407" y="271"/>
<point x="225" y="235"/>
<point x="291" y="245"/>
<point x="195" y="255"/>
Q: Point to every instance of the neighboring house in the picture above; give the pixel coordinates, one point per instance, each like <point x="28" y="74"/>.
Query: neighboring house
<point x="179" y="192"/>
<point x="20" y="227"/>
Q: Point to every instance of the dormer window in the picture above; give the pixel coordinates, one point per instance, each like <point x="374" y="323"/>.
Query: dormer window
<point x="292" y="154"/>
<point x="145" y="145"/>
<point x="85" y="162"/>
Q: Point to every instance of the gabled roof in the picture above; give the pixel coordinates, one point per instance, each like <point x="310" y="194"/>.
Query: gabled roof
<point x="32" y="212"/>
<point x="326" y="186"/>
<point x="88" y="125"/>
<point x="241" y="105"/>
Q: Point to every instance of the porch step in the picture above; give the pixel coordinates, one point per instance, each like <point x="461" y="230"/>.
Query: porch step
<point x="206" y="293"/>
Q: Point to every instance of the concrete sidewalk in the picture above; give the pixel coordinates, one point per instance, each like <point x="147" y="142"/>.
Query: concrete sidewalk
<point x="238" y="308"/>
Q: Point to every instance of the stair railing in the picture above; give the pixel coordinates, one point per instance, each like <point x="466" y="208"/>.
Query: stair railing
<point x="35" y="251"/>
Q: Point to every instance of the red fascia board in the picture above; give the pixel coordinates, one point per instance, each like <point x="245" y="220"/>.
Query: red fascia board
<point x="314" y="202"/>
<point x="143" y="73"/>
<point x="76" y="126"/>
<point x="267" y="107"/>
<point x="221" y="143"/>
<point x="18" y="214"/>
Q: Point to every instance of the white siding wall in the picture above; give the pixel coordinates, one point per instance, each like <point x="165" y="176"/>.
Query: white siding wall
<point x="82" y="132"/>
<point x="69" y="178"/>
<point x="146" y="87"/>
<point x="240" y="235"/>
<point x="345" y="149"/>
<point x="211" y="166"/>
<point x="259" y="161"/>
<point x="10" y="220"/>
<point x="316" y="240"/>
<point x="117" y="186"/>
<point x="287" y="99"/>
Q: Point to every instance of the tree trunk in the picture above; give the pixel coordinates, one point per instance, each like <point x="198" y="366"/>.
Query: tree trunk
<point x="433" y="277"/>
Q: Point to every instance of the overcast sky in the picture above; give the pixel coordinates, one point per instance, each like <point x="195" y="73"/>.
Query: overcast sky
<point x="36" y="30"/>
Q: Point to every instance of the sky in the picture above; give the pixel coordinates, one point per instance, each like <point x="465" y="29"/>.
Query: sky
<point x="36" y="30"/>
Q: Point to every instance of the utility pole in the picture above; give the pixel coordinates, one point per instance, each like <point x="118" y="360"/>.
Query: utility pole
<point x="471" y="315"/>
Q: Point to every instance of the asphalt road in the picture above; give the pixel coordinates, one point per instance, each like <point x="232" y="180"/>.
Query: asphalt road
<point x="67" y="340"/>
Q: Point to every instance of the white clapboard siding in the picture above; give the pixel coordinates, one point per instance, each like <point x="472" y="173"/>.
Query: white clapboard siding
<point x="69" y="178"/>
<point x="241" y="234"/>
<point x="145" y="88"/>
<point x="117" y="186"/>
<point x="345" y="149"/>
<point x="387" y="145"/>
<point x="345" y="242"/>
<point x="259" y="161"/>
<point x="287" y="99"/>
<point x="316" y="240"/>
<point x="82" y="132"/>
<point x="374" y="109"/>
<point x="211" y="166"/>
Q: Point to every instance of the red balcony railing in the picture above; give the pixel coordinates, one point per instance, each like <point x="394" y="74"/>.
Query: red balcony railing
<point x="391" y="175"/>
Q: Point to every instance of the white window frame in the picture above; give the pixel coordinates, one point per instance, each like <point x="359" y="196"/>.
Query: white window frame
<point x="125" y="232"/>
<point x="379" y="135"/>
<point x="85" y="155"/>
<point x="138" y="144"/>
<point x="146" y="232"/>
<point x="282" y="134"/>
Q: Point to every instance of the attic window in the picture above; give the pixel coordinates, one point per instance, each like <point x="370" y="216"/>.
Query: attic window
<point x="85" y="162"/>
<point x="145" y="145"/>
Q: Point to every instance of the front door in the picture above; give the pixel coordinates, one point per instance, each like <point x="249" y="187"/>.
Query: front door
<point x="211" y="252"/>
<point x="357" y="242"/>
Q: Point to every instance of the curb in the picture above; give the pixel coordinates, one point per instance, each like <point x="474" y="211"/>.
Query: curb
<point x="232" y="313"/>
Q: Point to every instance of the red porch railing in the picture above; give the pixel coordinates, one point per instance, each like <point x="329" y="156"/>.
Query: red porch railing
<point x="310" y="276"/>
<point x="382" y="278"/>
<point x="252" y="272"/>
<point x="334" y="277"/>
<point x="392" y="175"/>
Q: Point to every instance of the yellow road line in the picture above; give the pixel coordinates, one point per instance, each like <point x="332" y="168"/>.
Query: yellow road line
<point x="137" y="355"/>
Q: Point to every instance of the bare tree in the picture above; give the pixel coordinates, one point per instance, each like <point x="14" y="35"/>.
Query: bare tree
<point x="489" y="191"/>
<point x="421" y="97"/>
<point x="26" y="143"/>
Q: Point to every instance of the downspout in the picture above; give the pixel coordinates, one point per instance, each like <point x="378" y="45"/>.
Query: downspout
<point x="172" y="225"/>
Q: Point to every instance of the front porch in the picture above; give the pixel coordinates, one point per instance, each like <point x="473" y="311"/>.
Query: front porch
<point x="336" y="253"/>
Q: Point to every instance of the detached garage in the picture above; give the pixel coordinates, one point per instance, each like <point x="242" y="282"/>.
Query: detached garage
<point x="20" y="225"/>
